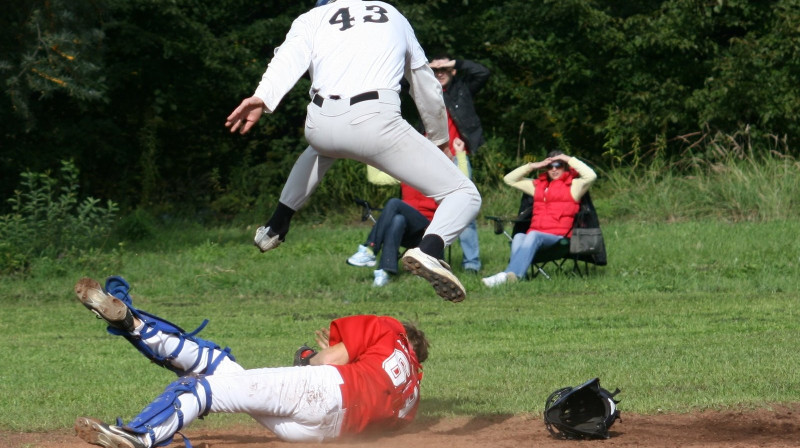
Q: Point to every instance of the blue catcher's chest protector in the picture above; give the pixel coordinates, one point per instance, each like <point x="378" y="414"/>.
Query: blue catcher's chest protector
<point x="119" y="288"/>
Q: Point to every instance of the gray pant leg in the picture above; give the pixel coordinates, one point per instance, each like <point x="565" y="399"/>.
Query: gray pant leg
<point x="306" y="175"/>
<point x="374" y="132"/>
<point x="422" y="165"/>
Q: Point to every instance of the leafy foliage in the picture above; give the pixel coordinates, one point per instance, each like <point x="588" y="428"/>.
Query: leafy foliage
<point x="49" y="220"/>
<point x="51" y="48"/>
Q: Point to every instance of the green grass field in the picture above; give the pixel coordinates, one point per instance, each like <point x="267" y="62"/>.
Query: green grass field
<point x="686" y="316"/>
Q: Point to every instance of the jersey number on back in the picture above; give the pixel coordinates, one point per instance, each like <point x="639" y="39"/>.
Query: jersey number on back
<point x="399" y="370"/>
<point x="342" y="16"/>
<point x="397" y="367"/>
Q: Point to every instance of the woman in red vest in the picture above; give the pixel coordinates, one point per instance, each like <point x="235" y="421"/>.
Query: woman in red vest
<point x="556" y="198"/>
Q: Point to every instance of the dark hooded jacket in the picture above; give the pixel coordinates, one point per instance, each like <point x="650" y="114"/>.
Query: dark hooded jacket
<point x="458" y="97"/>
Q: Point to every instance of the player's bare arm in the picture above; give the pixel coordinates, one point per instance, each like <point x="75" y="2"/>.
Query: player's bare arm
<point x="246" y="115"/>
<point x="322" y="336"/>
<point x="335" y="355"/>
<point x="442" y="63"/>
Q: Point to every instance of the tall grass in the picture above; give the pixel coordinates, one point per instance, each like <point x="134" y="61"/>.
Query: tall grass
<point x="731" y="181"/>
<point x="754" y="189"/>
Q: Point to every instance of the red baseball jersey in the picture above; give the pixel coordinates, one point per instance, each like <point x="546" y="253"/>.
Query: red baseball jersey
<point x="381" y="381"/>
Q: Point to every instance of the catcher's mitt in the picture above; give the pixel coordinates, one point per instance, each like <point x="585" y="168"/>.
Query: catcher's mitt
<point x="582" y="412"/>
<point x="303" y="355"/>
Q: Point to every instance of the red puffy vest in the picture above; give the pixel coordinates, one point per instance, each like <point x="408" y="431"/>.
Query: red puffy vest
<point x="554" y="208"/>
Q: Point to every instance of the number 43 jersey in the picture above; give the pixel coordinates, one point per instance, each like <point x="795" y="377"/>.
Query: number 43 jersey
<point x="381" y="381"/>
<point x="332" y="42"/>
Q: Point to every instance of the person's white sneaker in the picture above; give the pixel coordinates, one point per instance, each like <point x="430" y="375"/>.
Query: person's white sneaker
<point x="266" y="239"/>
<point x="436" y="272"/>
<point x="381" y="278"/>
<point x="499" y="279"/>
<point x="363" y="257"/>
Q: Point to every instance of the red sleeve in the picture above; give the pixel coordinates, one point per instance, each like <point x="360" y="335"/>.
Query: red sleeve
<point x="359" y="333"/>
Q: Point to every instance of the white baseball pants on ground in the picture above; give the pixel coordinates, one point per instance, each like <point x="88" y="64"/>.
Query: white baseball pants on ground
<point x="298" y="404"/>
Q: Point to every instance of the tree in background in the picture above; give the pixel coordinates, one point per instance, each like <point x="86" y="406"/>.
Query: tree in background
<point x="610" y="78"/>
<point x="50" y="48"/>
<point x="51" y="68"/>
<point x="136" y="91"/>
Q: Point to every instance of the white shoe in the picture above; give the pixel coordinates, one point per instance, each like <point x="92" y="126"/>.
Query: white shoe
<point x="499" y="279"/>
<point x="381" y="278"/>
<point x="436" y="272"/>
<point x="266" y="239"/>
<point x="364" y="257"/>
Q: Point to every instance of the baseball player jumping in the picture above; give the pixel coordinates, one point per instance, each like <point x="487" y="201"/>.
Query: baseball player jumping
<point x="356" y="52"/>
<point x="365" y="377"/>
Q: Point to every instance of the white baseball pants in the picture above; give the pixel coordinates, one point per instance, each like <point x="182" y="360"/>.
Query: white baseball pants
<point x="298" y="404"/>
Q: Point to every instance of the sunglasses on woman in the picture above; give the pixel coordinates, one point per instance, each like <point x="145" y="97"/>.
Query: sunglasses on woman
<point x="555" y="166"/>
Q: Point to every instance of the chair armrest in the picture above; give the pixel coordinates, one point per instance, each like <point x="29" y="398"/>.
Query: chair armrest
<point x="498" y="223"/>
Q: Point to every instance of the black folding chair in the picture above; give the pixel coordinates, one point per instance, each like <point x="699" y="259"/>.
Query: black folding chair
<point x="366" y="209"/>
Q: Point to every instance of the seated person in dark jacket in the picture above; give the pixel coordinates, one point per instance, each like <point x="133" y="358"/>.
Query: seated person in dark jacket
<point x="556" y="195"/>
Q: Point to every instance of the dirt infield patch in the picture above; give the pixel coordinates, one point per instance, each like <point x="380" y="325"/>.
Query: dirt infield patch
<point x="777" y="427"/>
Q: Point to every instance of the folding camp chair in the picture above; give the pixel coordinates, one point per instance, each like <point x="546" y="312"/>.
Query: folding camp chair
<point x="366" y="209"/>
<point x="559" y="254"/>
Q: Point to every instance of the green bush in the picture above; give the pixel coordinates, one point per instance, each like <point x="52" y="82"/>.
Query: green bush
<point x="49" y="220"/>
<point x="136" y="226"/>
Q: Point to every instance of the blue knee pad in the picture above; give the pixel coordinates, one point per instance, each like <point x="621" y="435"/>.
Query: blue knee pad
<point x="167" y="404"/>
<point x="119" y="288"/>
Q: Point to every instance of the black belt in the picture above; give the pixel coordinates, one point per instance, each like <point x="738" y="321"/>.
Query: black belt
<point x="366" y="96"/>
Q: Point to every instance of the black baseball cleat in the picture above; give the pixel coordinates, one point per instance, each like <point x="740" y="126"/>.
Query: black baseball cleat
<point x="98" y="433"/>
<point x="436" y="272"/>
<point x="105" y="306"/>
